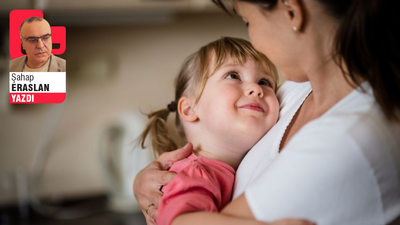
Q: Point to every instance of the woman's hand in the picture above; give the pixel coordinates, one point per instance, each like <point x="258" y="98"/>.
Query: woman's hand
<point x="148" y="181"/>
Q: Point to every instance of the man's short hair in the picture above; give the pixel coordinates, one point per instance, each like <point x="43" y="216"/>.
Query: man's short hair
<point x="30" y="20"/>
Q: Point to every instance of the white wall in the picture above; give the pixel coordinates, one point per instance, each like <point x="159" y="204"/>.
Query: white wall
<point x="143" y="60"/>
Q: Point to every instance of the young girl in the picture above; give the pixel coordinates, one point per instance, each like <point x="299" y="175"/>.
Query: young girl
<point x="224" y="102"/>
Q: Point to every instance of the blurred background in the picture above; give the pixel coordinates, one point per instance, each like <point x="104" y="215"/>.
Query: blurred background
<point x="76" y="161"/>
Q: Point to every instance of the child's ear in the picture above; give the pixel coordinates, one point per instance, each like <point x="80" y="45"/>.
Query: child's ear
<point x="186" y="110"/>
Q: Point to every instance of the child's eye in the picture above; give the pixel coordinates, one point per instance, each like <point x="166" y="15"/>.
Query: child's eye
<point x="266" y="82"/>
<point x="232" y="75"/>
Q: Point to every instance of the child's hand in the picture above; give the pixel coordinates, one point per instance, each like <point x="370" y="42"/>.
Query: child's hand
<point x="148" y="181"/>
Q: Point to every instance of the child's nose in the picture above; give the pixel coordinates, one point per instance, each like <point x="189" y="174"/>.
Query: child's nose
<point x="256" y="90"/>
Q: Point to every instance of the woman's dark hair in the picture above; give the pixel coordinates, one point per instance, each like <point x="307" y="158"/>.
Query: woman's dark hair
<point x="366" y="47"/>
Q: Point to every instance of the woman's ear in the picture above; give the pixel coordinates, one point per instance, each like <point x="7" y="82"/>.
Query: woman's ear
<point x="186" y="110"/>
<point x="295" y="13"/>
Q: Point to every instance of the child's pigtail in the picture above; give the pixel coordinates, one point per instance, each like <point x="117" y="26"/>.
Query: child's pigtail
<point x="160" y="139"/>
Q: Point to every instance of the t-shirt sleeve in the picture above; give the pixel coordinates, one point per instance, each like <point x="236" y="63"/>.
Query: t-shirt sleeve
<point x="193" y="189"/>
<point x="319" y="179"/>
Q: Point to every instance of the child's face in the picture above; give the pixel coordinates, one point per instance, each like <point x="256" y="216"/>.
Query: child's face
<point x="238" y="103"/>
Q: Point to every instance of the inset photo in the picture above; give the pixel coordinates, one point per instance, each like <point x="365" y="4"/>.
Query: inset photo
<point x="36" y="47"/>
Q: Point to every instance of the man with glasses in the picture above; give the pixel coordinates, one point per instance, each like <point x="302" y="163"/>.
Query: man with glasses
<point x="36" y="41"/>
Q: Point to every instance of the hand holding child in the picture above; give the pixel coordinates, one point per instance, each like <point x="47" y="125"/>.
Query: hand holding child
<point x="148" y="182"/>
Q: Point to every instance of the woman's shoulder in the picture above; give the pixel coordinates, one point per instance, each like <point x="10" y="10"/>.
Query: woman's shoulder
<point x="354" y="137"/>
<point x="360" y="150"/>
<point x="358" y="119"/>
<point x="347" y="159"/>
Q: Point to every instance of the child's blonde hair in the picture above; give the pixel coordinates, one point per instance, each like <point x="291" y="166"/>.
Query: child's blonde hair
<point x="192" y="78"/>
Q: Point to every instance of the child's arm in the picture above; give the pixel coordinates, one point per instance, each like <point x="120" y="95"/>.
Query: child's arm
<point x="237" y="212"/>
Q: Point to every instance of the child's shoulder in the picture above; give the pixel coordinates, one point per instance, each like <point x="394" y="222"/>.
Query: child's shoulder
<point x="197" y="172"/>
<point x="203" y="166"/>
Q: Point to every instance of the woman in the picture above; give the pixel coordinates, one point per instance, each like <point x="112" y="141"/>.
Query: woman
<point x="334" y="155"/>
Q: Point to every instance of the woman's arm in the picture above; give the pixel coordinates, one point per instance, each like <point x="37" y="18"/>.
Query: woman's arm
<point x="236" y="213"/>
<point x="148" y="181"/>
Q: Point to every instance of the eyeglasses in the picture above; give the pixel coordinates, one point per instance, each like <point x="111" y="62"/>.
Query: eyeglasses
<point x="34" y="40"/>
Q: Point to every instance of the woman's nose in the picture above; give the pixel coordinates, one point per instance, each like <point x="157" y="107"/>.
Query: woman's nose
<point x="255" y="90"/>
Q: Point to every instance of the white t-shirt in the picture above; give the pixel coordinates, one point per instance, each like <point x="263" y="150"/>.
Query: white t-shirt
<point x="341" y="168"/>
